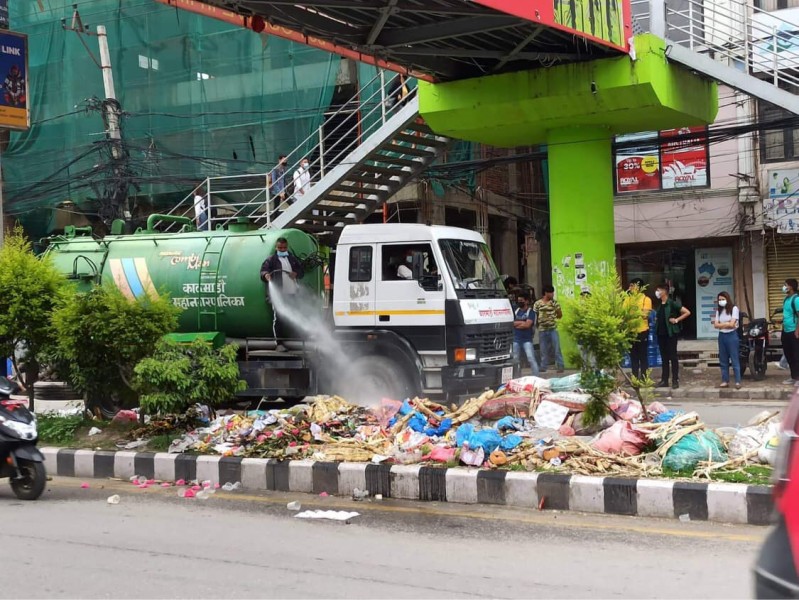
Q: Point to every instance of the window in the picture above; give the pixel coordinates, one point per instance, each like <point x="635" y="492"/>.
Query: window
<point x="361" y="263"/>
<point x="397" y="261"/>
<point x="781" y="143"/>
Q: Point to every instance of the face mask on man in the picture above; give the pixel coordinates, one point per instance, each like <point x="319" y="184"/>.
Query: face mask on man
<point x="722" y="303"/>
<point x="305" y="165"/>
<point x="409" y="259"/>
<point x="784" y="289"/>
<point x="283" y="253"/>
<point x="658" y="294"/>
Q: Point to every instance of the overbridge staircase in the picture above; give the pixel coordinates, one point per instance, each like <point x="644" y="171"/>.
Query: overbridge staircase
<point x="358" y="161"/>
<point x="730" y="41"/>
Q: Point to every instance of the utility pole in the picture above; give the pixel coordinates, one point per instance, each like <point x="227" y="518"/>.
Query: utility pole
<point x="114" y="195"/>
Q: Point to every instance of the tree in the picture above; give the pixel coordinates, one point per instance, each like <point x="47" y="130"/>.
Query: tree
<point x="31" y="289"/>
<point x="178" y="376"/>
<point x="102" y="336"/>
<point x="604" y="324"/>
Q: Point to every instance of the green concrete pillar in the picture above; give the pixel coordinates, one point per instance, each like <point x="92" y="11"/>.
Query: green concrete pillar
<point x="580" y="206"/>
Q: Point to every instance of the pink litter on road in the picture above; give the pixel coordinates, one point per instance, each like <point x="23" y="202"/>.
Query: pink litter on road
<point x="216" y="486"/>
<point x="324" y="495"/>
<point x="150" y="481"/>
<point x="142" y="486"/>
<point x="196" y="488"/>
<point x="180" y="482"/>
<point x="165" y="484"/>
<point x="189" y="494"/>
<point x="84" y="486"/>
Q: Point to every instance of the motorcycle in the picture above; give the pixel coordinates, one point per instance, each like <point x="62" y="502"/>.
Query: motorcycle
<point x="20" y="459"/>
<point x="756" y="348"/>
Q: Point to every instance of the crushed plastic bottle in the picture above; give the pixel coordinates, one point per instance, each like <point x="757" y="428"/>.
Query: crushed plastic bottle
<point x="142" y="479"/>
<point x="359" y="495"/>
<point x="555" y="462"/>
<point x="114" y="499"/>
<point x="231" y="487"/>
<point x="202" y="496"/>
<point x="294" y="506"/>
<point x="685" y="518"/>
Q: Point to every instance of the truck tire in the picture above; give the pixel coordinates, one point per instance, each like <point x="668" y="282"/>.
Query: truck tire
<point x="379" y="377"/>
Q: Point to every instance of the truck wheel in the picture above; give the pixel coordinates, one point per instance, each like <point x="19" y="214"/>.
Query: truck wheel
<point x="376" y="377"/>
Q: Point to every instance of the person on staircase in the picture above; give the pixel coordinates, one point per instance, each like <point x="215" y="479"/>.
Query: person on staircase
<point x="302" y="180"/>
<point x="277" y="179"/>
<point x="282" y="270"/>
<point x="670" y="314"/>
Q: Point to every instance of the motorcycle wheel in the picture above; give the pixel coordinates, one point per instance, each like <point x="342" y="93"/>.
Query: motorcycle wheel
<point x="33" y="481"/>
<point x="757" y="365"/>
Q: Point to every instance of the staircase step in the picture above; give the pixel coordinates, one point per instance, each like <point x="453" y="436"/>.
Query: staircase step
<point x="394" y="160"/>
<point x="419" y="126"/>
<point x="425" y="140"/>
<point x="351" y="189"/>
<point x="384" y="170"/>
<point x="407" y="150"/>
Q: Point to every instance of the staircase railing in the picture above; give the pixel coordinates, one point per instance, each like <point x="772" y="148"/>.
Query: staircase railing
<point x="756" y="42"/>
<point x="251" y="195"/>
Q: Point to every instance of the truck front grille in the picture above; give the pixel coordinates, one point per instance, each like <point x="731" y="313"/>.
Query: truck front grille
<point x="492" y="343"/>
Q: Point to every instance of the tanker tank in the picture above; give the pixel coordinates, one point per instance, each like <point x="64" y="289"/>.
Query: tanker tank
<point x="214" y="277"/>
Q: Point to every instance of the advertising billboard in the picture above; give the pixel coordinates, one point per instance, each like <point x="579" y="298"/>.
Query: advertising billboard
<point x="781" y="208"/>
<point x="638" y="166"/>
<point x="684" y="159"/>
<point x="713" y="274"/>
<point x="775" y="40"/>
<point x="14" y="112"/>
<point x="665" y="160"/>
<point x="603" y="21"/>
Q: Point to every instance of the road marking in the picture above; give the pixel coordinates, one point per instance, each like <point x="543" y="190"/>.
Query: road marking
<point x="565" y="520"/>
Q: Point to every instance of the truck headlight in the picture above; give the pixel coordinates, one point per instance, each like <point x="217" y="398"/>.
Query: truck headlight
<point x="465" y="354"/>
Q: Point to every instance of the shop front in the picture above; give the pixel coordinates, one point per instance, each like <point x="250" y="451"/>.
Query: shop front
<point x="696" y="273"/>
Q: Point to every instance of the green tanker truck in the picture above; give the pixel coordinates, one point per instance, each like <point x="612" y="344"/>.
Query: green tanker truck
<point x="416" y="309"/>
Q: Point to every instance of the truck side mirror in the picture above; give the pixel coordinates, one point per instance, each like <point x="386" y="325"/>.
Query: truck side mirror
<point x="418" y="266"/>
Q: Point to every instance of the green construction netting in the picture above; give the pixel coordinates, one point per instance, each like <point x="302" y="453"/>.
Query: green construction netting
<point x="202" y="98"/>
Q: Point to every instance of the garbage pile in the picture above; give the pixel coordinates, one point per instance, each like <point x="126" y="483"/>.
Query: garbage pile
<point x="535" y="424"/>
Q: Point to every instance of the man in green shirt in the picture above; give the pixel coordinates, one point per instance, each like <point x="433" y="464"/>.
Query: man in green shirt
<point x="548" y="312"/>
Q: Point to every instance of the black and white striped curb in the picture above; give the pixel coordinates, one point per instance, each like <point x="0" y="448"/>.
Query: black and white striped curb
<point x="720" y="502"/>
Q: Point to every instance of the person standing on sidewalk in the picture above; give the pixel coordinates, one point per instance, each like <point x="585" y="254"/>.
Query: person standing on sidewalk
<point x="548" y="312"/>
<point x="790" y="332"/>
<point x="670" y="314"/>
<point x="726" y="322"/>
<point x="639" y="352"/>
<point x="524" y="325"/>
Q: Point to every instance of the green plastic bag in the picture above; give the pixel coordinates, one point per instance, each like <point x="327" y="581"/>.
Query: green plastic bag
<point x="693" y="448"/>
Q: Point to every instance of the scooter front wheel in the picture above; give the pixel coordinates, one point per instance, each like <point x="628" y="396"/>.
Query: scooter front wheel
<point x="32" y="480"/>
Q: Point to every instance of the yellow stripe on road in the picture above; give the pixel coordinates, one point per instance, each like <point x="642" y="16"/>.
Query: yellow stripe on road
<point x="507" y="514"/>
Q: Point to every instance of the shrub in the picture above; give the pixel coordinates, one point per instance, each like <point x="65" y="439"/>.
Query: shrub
<point x="102" y="336"/>
<point x="30" y="290"/>
<point x="604" y="325"/>
<point x="178" y="376"/>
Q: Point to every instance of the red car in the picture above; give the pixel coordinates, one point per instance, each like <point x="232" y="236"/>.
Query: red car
<point x="777" y="567"/>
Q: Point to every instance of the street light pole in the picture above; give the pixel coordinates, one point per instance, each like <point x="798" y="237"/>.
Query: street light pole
<point x="112" y="107"/>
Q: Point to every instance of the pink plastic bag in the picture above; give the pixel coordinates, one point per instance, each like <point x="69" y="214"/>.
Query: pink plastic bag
<point x="441" y="454"/>
<point x="620" y="438"/>
<point x="528" y="384"/>
<point x="125" y="416"/>
<point x="386" y="411"/>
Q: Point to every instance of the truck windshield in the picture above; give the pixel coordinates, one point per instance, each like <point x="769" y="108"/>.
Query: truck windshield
<point x="471" y="266"/>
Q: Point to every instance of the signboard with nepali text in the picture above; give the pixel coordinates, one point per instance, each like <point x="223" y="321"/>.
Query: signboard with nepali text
<point x="14" y="112"/>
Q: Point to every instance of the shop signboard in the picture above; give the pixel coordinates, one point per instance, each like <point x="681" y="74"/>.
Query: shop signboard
<point x="713" y="273"/>
<point x="775" y="38"/>
<point x="781" y="207"/>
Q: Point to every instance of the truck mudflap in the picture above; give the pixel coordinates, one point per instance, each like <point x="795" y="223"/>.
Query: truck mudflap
<point x="465" y="380"/>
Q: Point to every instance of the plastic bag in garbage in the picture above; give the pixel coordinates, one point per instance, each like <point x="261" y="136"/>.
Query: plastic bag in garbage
<point x="693" y="448"/>
<point x="621" y="437"/>
<point x="767" y="453"/>
<point x="570" y="383"/>
<point x="510" y="424"/>
<point x="487" y="439"/>
<point x="746" y="440"/>
<point x="442" y="429"/>
<point x="528" y="384"/>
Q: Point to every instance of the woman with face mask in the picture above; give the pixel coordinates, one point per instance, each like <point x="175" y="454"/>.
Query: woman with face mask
<point x="790" y="331"/>
<point x="726" y="321"/>
<point x="670" y="314"/>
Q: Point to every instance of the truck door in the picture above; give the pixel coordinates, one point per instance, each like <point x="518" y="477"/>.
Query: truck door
<point x="401" y="299"/>
<point x="354" y="287"/>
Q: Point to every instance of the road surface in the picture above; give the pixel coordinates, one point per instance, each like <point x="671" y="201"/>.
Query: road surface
<point x="72" y="543"/>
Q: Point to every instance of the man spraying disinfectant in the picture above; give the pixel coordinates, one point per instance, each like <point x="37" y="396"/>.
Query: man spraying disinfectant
<point x="282" y="270"/>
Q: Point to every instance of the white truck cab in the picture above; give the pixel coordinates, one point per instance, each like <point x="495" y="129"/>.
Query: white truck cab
<point x="433" y="301"/>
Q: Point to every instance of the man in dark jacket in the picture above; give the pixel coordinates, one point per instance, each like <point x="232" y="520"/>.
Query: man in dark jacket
<point x="282" y="270"/>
